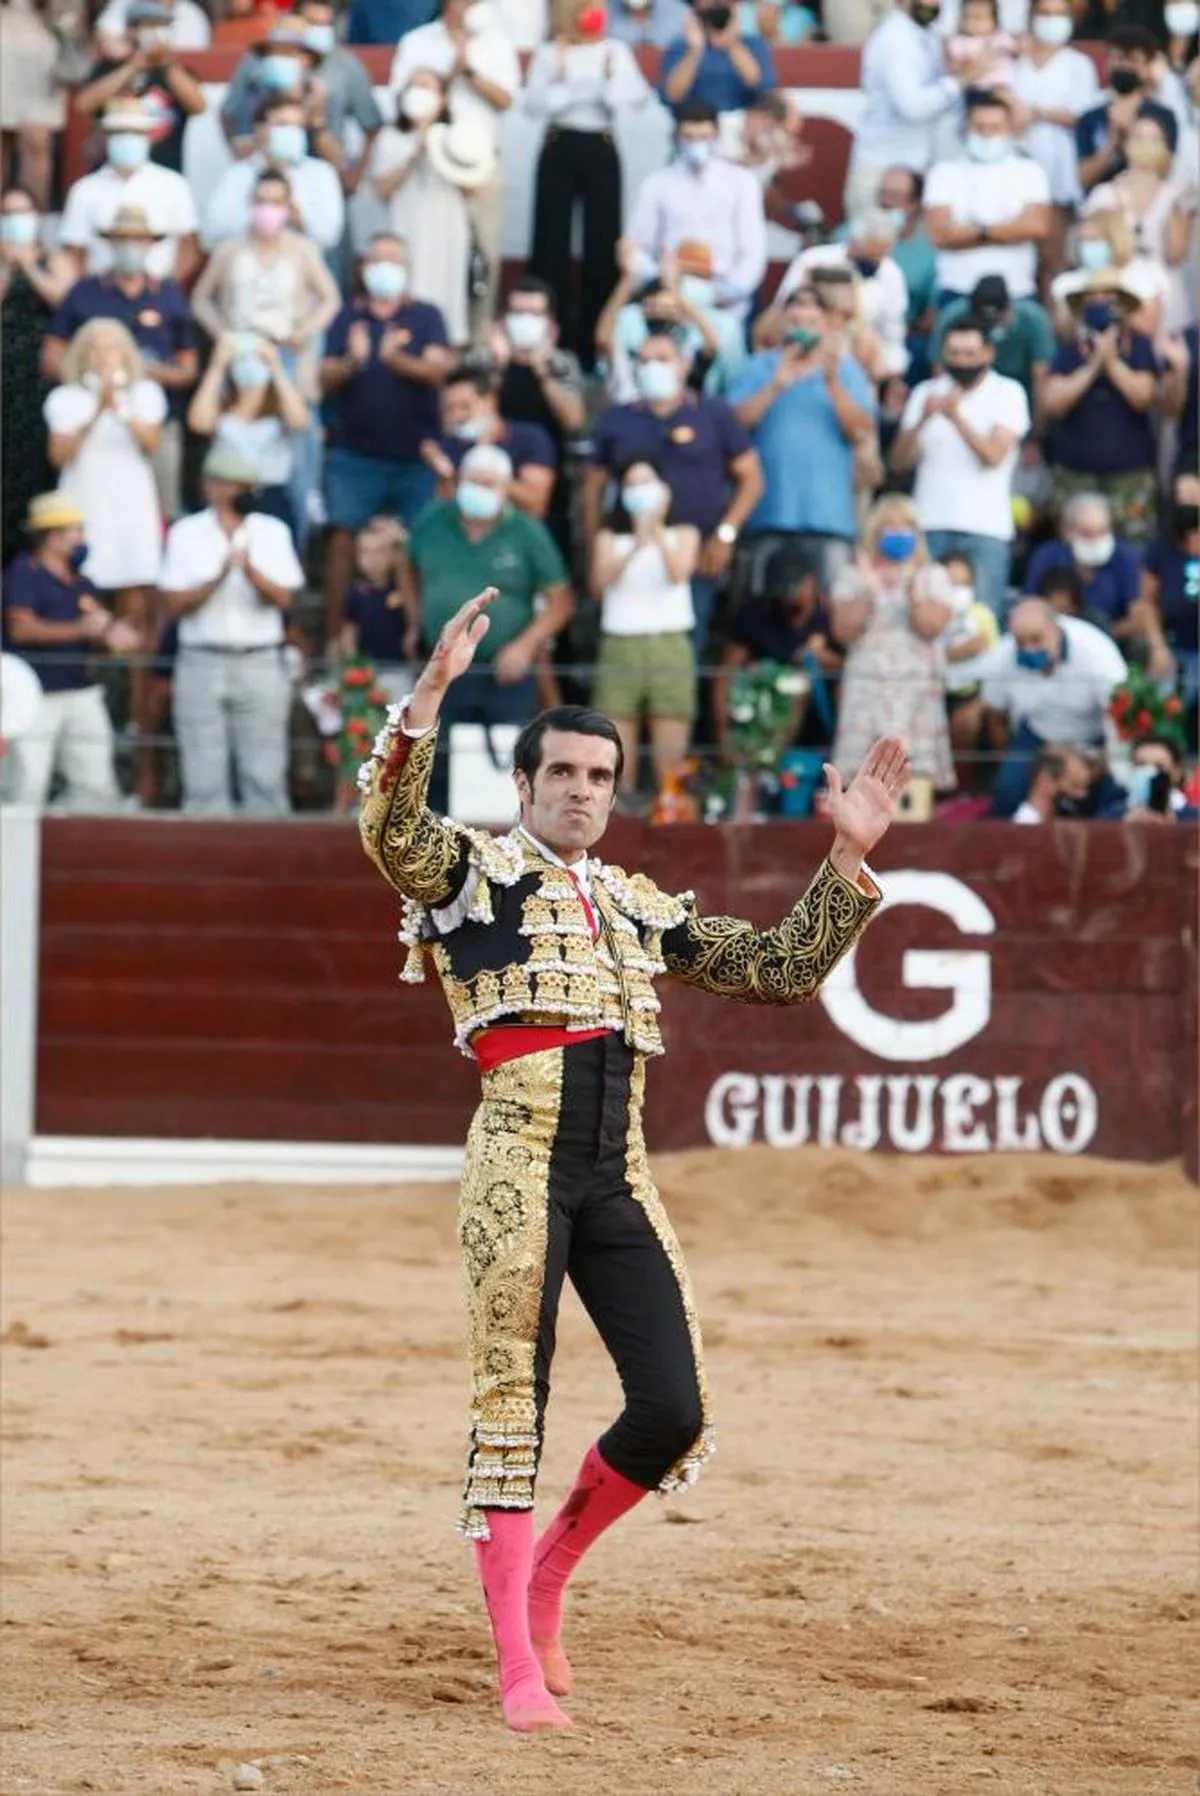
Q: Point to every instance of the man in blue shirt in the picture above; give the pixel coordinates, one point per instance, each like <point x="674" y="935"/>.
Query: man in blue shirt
<point x="713" y="62"/>
<point x="1109" y="572"/>
<point x="649" y="23"/>
<point x="53" y="619"/>
<point x="1101" y="133"/>
<point x="386" y="357"/>
<point x="470" y="415"/>
<point x="702" y="453"/>
<point x="807" y="405"/>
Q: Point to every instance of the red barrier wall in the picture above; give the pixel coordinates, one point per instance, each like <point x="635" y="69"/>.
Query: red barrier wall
<point x="241" y="981"/>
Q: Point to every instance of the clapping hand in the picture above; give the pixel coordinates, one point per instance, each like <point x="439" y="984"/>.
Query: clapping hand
<point x="358" y="343"/>
<point x="862" y="811"/>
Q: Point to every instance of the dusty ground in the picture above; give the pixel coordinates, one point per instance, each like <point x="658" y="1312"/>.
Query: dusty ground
<point x="947" y="1546"/>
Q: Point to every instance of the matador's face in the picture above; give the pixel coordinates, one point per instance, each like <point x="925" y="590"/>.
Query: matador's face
<point x="568" y="805"/>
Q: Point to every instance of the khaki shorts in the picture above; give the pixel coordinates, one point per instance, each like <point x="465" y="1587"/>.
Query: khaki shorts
<point x="651" y="674"/>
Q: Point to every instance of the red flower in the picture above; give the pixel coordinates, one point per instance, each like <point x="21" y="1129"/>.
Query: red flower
<point x="377" y="696"/>
<point x="1173" y="707"/>
<point x="358" y="726"/>
<point x="1143" y="721"/>
<point x="357" y="676"/>
<point x="1121" y="702"/>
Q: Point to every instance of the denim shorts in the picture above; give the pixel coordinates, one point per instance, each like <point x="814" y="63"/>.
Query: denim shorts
<point x="360" y="487"/>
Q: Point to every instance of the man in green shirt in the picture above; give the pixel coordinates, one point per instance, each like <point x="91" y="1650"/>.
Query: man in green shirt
<point x="479" y="539"/>
<point x="1020" y="331"/>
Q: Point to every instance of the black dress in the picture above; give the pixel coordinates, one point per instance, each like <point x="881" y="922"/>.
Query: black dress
<point x="24" y="319"/>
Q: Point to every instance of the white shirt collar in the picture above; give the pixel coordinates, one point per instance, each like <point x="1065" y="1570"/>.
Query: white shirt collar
<point x="581" y="869"/>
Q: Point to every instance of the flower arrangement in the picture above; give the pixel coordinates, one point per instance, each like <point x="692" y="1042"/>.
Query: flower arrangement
<point x="363" y="704"/>
<point x="1138" y="708"/>
<point x="762" y="717"/>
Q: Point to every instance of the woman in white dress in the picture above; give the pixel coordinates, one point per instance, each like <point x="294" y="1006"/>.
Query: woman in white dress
<point x="1053" y="85"/>
<point x="1159" y="211"/>
<point x="423" y="205"/>
<point x="105" y="421"/>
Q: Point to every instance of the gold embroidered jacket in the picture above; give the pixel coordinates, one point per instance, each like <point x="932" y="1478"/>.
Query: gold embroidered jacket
<point x="508" y="936"/>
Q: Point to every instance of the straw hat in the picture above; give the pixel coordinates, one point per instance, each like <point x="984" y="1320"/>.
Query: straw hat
<point x="462" y="152"/>
<point x="285" y="37"/>
<point x="52" y="511"/>
<point x="132" y="221"/>
<point x="127" y="115"/>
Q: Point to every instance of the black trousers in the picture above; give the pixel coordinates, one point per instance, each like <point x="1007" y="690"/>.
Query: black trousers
<point x="578" y="167"/>
<point x="557" y="1186"/>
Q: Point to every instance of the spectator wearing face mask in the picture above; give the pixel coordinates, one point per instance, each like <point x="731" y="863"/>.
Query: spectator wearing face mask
<point x="1049" y="681"/>
<point x="1110" y="572"/>
<point x="1155" y="790"/>
<point x="386" y="357"/>
<point x="129" y="178"/>
<point x="155" y="313"/>
<point x="470" y="415"/>
<point x="1101" y="244"/>
<point x="282" y="66"/>
<point x="1158" y="210"/>
<point x="1097" y="403"/>
<point x="648" y="24"/>
<point x="464" y="544"/>
<point x="1170" y="596"/>
<point x="279" y="64"/>
<point x="962" y="432"/>
<point x="230" y="575"/>
<point x="31" y="285"/>
<point x="54" y="620"/>
<point x="1052" y="87"/>
<point x="284" y="129"/>
<point x="1102" y="132"/>
<point x="646" y="667"/>
<point x="889" y="608"/>
<point x="712" y="62"/>
<point x="971" y="632"/>
<point x="806" y="405"/>
<point x="475" y="57"/>
<point x="425" y="171"/>
<point x="905" y="90"/>
<point x="1060" y="785"/>
<point x="988" y="210"/>
<point x="1020" y="332"/>
<point x="703" y="453"/>
<point x="153" y="74"/>
<point x="881" y="290"/>
<point x="376" y="621"/>
<point x="247" y="403"/>
<point x="701" y="197"/>
<point x="681" y="298"/>
<point x="901" y="194"/>
<point x="580" y="84"/>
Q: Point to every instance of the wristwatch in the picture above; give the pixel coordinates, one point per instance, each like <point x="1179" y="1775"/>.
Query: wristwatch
<point x="726" y="533"/>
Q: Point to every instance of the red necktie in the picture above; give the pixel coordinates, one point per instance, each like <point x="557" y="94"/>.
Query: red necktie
<point x="588" y="908"/>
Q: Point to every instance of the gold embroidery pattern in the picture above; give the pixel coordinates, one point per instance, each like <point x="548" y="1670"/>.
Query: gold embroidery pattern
<point x="783" y="965"/>
<point x="503" y="1232"/>
<point x="686" y="1469"/>
<point x="415" y="851"/>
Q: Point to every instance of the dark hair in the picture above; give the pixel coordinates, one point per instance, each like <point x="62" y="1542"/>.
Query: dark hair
<point x="658" y="327"/>
<point x="1152" y="739"/>
<point x="274" y="103"/>
<point x="1134" y="37"/>
<point x="772" y="103"/>
<point x="978" y="99"/>
<point x="465" y="375"/>
<point x="616" y="518"/>
<point x="1052" y="761"/>
<point x="695" y="112"/>
<point x="579" y="720"/>
<point x="959" y="327"/>
<point x="403" y="123"/>
<point x="272" y="177"/>
<point x="536" y="288"/>
<point x="1064" y="580"/>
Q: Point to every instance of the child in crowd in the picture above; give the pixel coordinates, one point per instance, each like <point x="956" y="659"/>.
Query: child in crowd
<point x="971" y="632"/>
<point x="979" y="39"/>
<point x="377" y="618"/>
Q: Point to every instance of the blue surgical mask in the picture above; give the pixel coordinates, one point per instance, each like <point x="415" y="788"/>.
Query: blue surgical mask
<point x="471" y="429"/>
<point x="77" y="557"/>
<point x="287" y="143"/>
<point x="898" y="216"/>
<point x="280" y="73"/>
<point x="321" y="38"/>
<point x="1035" y="660"/>
<point x="384" y="280"/>
<point x="128" y="149"/>
<point x="695" y="153"/>
<point x="897" y="545"/>
<point x="249" y="373"/>
<point x="696" y="290"/>
<point x="479" y="503"/>
<point x="19" y="227"/>
<point x="1095" y="252"/>
<point x="1098" y="316"/>
<point x="657" y="382"/>
<point x="802" y="337"/>
<point x="987" y="149"/>
<point x="641" y="499"/>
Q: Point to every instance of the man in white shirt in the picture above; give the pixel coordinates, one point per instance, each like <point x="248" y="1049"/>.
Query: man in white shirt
<point x="471" y="51"/>
<point x="1047" y="681"/>
<point x="962" y="433"/>
<point x="988" y="211"/>
<point x="129" y="178"/>
<point x="283" y="138"/>
<point x="702" y="197"/>
<point x="882" y="288"/>
<point x="229" y="574"/>
<point x="906" y="90"/>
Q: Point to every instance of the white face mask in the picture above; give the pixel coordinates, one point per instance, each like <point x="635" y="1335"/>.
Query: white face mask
<point x="961" y="599"/>
<point x="419" y="104"/>
<point x="526" y="330"/>
<point x="1182" y="17"/>
<point x="1093" y="551"/>
<point x="1052" y="28"/>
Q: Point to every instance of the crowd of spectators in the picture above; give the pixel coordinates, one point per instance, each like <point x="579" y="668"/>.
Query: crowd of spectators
<point x="931" y="468"/>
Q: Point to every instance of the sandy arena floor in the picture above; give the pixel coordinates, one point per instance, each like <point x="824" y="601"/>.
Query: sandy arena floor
<point x="947" y="1545"/>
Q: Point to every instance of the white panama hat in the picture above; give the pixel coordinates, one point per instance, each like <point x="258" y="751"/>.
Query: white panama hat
<point x="463" y="152"/>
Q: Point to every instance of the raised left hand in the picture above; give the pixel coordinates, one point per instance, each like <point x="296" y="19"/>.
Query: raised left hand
<point x="862" y="811"/>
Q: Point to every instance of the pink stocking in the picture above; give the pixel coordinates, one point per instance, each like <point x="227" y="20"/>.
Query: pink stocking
<point x="599" y="1498"/>
<point x="504" y="1564"/>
